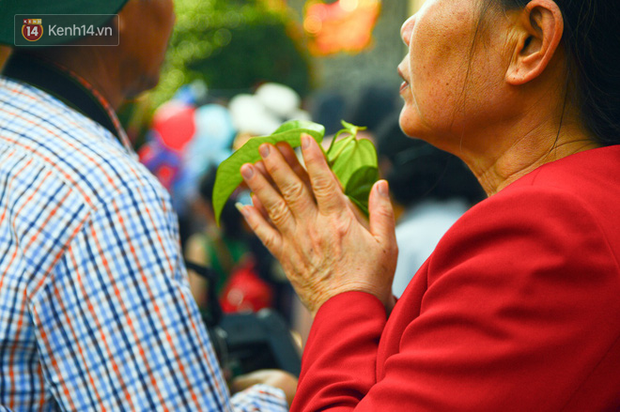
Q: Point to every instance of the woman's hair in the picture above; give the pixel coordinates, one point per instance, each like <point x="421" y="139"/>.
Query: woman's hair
<point x="591" y="40"/>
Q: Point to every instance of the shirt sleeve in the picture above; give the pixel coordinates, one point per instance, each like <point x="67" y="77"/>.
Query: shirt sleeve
<point x="512" y="312"/>
<point x="117" y="326"/>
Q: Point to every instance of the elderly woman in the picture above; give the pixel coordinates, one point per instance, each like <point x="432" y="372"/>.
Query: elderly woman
<point x="518" y="307"/>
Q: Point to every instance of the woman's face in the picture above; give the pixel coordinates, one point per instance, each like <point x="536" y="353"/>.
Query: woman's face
<point x="438" y="106"/>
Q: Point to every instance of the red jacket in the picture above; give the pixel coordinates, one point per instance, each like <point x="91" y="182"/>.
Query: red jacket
<point x="518" y="309"/>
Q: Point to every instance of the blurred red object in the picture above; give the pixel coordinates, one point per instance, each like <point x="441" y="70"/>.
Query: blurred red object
<point x="245" y="291"/>
<point x="174" y="121"/>
<point x="342" y="26"/>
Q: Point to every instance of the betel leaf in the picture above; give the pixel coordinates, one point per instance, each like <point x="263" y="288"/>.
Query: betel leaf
<point x="359" y="185"/>
<point x="353" y="161"/>
<point x="337" y="147"/>
<point x="228" y="177"/>
<point x="300" y="124"/>
<point x="353" y="155"/>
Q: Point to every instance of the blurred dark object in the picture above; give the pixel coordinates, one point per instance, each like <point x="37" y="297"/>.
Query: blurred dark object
<point x="260" y="340"/>
<point x="416" y="170"/>
<point x="245" y="342"/>
<point x="373" y="106"/>
<point x="327" y="108"/>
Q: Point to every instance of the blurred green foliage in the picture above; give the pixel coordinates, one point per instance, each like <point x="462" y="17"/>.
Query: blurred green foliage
<point x="233" y="45"/>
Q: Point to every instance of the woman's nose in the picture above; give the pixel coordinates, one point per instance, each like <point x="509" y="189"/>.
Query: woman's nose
<point x="406" y="28"/>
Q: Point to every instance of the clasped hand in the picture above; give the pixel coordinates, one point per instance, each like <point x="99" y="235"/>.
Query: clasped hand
<point x="306" y="221"/>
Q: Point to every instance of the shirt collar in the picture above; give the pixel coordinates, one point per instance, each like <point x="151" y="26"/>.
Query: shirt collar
<point x="69" y="87"/>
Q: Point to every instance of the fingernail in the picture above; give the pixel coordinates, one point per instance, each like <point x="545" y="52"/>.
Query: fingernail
<point x="247" y="171"/>
<point x="241" y="209"/>
<point x="382" y="188"/>
<point x="305" y="141"/>
<point x="264" y="150"/>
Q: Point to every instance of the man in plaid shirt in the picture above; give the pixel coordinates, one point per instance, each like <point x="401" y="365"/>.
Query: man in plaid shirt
<point x="95" y="307"/>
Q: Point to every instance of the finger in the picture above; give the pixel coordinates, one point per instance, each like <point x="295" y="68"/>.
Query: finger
<point x="293" y="161"/>
<point x="260" y="166"/>
<point x="255" y="200"/>
<point x="276" y="206"/>
<point x="268" y="235"/>
<point x="259" y="207"/>
<point x="325" y="185"/>
<point x="294" y="191"/>
<point x="381" y="213"/>
<point x="359" y="215"/>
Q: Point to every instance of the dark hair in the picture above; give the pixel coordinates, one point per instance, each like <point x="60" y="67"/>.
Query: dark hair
<point x="591" y="40"/>
<point x="372" y="106"/>
<point x="416" y="170"/>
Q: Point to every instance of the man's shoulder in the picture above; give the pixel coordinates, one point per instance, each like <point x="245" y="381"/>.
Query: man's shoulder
<point x="33" y="112"/>
<point x="79" y="151"/>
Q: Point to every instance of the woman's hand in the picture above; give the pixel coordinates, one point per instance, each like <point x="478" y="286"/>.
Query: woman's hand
<point x="314" y="231"/>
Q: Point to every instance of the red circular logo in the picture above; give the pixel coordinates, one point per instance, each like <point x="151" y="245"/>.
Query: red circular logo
<point x="32" y="29"/>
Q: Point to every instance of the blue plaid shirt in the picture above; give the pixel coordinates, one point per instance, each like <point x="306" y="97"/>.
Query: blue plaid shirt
<point x="95" y="307"/>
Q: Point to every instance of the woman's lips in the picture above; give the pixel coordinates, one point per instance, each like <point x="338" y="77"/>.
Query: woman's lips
<point x="405" y="83"/>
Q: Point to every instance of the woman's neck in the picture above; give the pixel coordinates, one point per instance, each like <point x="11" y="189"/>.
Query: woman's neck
<point x="527" y="151"/>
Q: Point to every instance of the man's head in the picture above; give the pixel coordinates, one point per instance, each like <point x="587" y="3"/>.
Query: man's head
<point x="119" y="72"/>
<point x="144" y="29"/>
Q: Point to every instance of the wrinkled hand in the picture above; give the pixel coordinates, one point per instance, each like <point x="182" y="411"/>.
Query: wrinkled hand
<point x="272" y="377"/>
<point x="314" y="230"/>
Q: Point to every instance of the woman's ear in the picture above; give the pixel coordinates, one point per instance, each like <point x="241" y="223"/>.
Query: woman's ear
<point x="539" y="31"/>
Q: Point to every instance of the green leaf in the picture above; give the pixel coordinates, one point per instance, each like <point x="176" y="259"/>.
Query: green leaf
<point x="336" y="147"/>
<point x="354" y="162"/>
<point x="351" y="128"/>
<point x="300" y="124"/>
<point x="228" y="177"/>
<point x="352" y="155"/>
<point x="359" y="185"/>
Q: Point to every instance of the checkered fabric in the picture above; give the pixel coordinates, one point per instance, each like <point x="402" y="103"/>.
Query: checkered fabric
<point x="95" y="307"/>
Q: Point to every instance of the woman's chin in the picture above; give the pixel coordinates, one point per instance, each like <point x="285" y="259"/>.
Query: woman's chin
<point x="410" y="123"/>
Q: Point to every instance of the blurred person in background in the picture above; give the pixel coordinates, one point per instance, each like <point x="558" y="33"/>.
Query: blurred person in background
<point x="248" y="277"/>
<point x="96" y="311"/>
<point x="219" y="248"/>
<point x="327" y="107"/>
<point x="444" y="189"/>
<point x="371" y="107"/>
